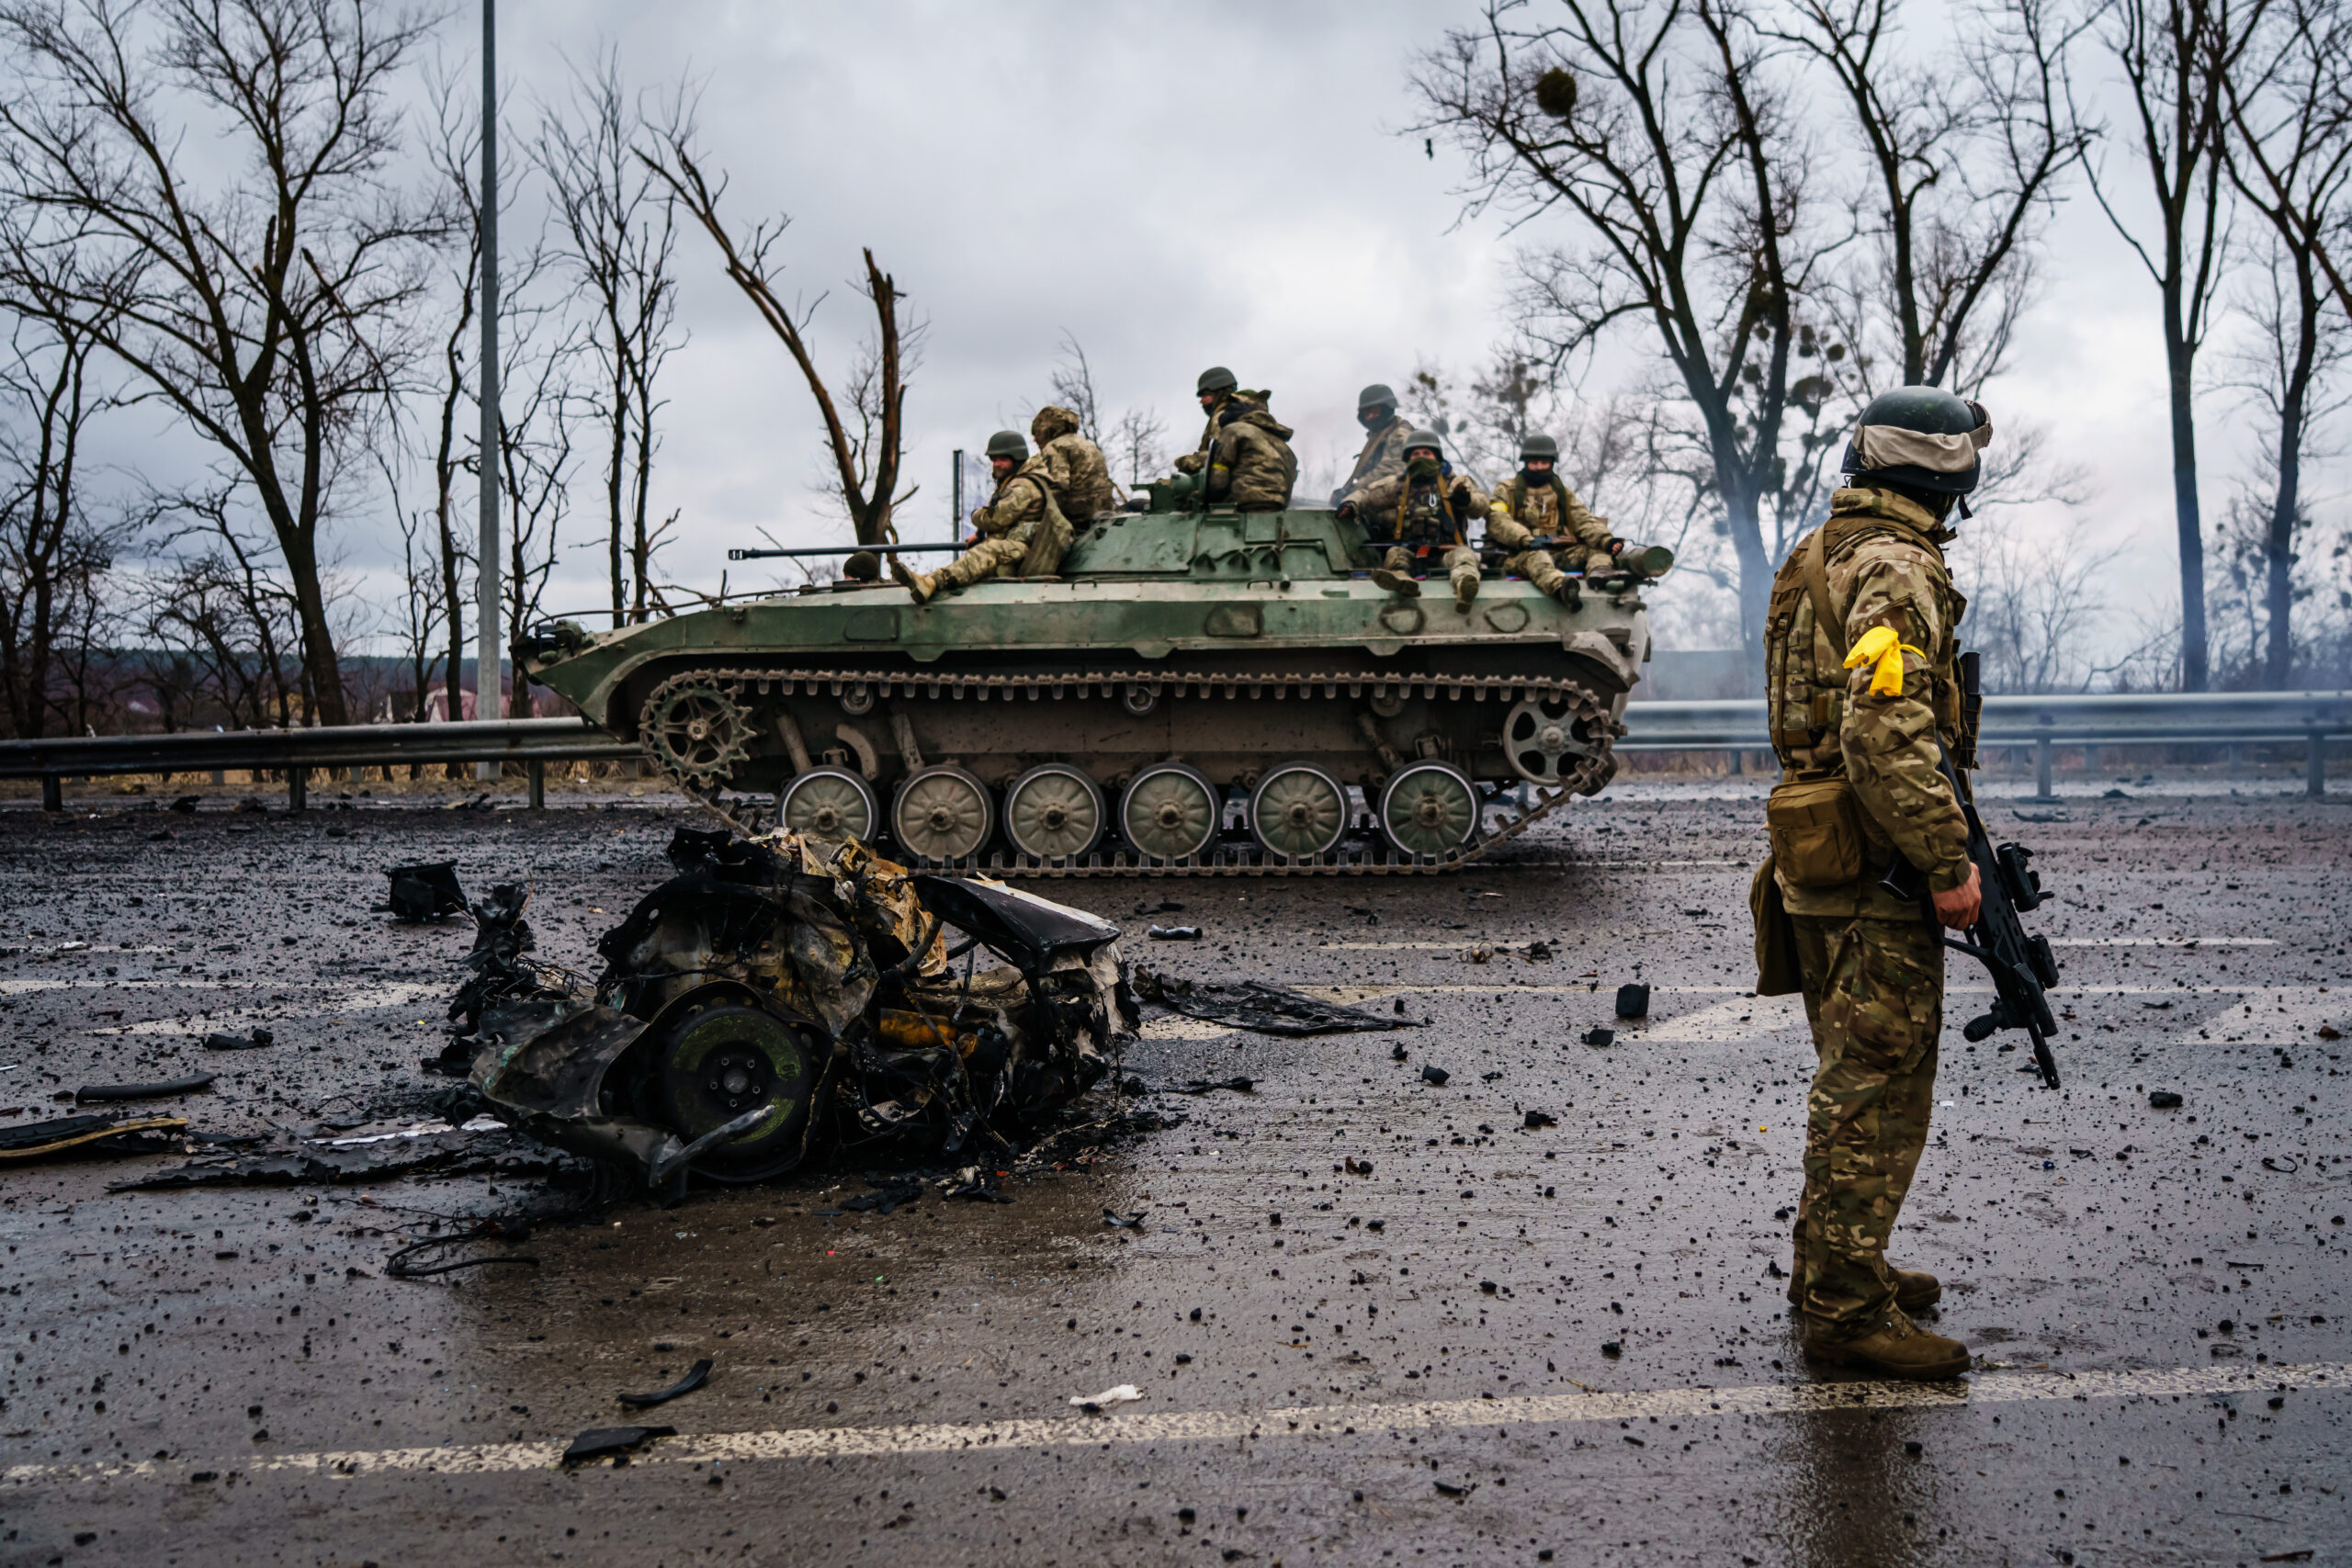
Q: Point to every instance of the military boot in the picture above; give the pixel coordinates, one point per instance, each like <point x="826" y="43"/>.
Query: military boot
<point x="921" y="584"/>
<point x="1568" y="592"/>
<point x="1891" y="1346"/>
<point x="1465" y="591"/>
<point x="1913" y="1292"/>
<point x="1397" y="583"/>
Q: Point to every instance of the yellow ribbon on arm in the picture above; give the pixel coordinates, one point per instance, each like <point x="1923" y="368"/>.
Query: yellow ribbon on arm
<point x="1880" y="644"/>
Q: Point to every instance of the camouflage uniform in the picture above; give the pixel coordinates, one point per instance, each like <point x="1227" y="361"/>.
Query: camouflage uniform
<point x="1418" y="515"/>
<point x="1192" y="462"/>
<point x="1525" y="511"/>
<point x="1073" y="464"/>
<point x="1872" y="964"/>
<point x="1010" y="522"/>
<point x="1383" y="458"/>
<point x="1251" y="466"/>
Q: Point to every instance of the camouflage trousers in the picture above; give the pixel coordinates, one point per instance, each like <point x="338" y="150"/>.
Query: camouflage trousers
<point x="1461" y="566"/>
<point x="1874" y="995"/>
<point x="999" y="557"/>
<point x="1544" y="568"/>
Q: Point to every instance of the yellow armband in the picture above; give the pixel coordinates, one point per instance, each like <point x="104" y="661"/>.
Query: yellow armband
<point x="1880" y="644"/>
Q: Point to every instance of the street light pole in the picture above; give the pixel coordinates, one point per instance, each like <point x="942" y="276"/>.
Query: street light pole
<point x="490" y="655"/>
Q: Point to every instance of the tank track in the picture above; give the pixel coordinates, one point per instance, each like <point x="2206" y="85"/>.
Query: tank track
<point x="1589" y="775"/>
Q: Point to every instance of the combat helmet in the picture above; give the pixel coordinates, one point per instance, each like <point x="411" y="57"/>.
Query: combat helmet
<point x="1921" y="436"/>
<point x="1377" y="395"/>
<point x="1008" y="444"/>
<point x="1215" y="379"/>
<point x="1537" y="445"/>
<point x="1416" y="440"/>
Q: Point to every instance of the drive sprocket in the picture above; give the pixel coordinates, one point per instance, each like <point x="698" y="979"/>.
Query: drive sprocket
<point x="695" y="730"/>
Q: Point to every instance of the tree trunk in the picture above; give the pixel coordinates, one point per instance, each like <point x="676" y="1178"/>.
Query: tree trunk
<point x="2278" y="665"/>
<point x="2180" y="357"/>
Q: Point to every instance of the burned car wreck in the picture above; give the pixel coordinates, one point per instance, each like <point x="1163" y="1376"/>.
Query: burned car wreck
<point x="781" y="996"/>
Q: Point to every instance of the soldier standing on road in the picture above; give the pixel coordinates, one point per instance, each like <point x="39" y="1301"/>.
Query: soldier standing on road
<point x="1861" y="690"/>
<point x="1072" y="465"/>
<point x="1384" y="446"/>
<point x="1424" y="507"/>
<point x="1023" y="529"/>
<point x="1537" y="503"/>
<point x="1244" y="459"/>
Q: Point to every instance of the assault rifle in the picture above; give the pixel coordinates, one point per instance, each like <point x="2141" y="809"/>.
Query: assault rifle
<point x="2022" y="966"/>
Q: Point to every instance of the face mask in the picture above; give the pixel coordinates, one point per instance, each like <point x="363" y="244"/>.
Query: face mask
<point x="1421" y="468"/>
<point x="1372" y="416"/>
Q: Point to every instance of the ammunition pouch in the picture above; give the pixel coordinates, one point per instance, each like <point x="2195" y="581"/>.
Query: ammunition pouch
<point x="1815" y="827"/>
<point x="1777" y="972"/>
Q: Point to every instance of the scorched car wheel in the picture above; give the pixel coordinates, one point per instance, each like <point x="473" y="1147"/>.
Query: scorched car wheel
<point x="719" y="1055"/>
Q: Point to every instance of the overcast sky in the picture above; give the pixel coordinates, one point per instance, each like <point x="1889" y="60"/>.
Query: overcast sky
<point x="1175" y="186"/>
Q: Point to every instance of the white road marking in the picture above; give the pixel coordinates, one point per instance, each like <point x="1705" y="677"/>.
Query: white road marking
<point x="1465" y="945"/>
<point x="2164" y="942"/>
<point x="1742" y="1018"/>
<point x="1223" y="1425"/>
<point x="1176" y="1026"/>
<point x="2275" y="1015"/>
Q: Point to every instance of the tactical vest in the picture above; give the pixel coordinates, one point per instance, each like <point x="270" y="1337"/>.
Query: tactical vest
<point x="1805" y="679"/>
<point x="1518" y="490"/>
<point x="1425" y="515"/>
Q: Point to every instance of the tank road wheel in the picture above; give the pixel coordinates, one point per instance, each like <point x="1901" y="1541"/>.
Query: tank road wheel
<point x="1170" y="811"/>
<point x="695" y="729"/>
<point x="1054" y="812"/>
<point x="722" y="1058"/>
<point x="1429" y="808"/>
<point x="1539" y="736"/>
<point x="941" y="814"/>
<point x="827" y="804"/>
<point x="1299" y="810"/>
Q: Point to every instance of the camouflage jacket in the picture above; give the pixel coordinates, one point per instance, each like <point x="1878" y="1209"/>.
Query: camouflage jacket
<point x="1019" y="504"/>
<point x="1524" y="512"/>
<point x="1884" y="567"/>
<point x="1194" y="461"/>
<point x="1412" y="513"/>
<point x="1250" y="464"/>
<point x="1073" y="464"/>
<point x="1382" y="457"/>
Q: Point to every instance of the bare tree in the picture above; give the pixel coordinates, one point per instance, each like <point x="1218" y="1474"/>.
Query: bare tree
<point x="263" y="301"/>
<point x="2177" y="57"/>
<point x="1073" y="383"/>
<point x="215" y="603"/>
<point x="2291" y="161"/>
<point x="54" y="557"/>
<point x="537" y="420"/>
<point x="619" y="230"/>
<point x="1964" y="166"/>
<point x="865" y="458"/>
<point x="1138" y="444"/>
<point x="1663" y="133"/>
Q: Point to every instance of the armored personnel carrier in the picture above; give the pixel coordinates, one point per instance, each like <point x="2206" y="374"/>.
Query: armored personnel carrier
<point x="1198" y="690"/>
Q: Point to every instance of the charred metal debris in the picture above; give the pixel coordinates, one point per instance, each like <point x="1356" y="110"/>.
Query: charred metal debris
<point x="780" y="996"/>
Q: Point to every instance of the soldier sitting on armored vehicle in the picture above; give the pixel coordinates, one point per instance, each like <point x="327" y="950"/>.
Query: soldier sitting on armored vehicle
<point x="1245" y="460"/>
<point x="1538" y="504"/>
<point x="1023" y="528"/>
<point x="1423" y="509"/>
<point x="1072" y="465"/>
<point x="1384" y="445"/>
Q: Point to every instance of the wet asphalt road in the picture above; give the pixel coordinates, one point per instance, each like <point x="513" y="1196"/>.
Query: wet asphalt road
<point x="1409" y="1365"/>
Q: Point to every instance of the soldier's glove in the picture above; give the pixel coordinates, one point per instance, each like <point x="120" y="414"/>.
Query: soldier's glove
<point x="1347" y="510"/>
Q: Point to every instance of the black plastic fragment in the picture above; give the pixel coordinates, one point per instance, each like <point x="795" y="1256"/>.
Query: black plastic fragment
<point x="1436" y="1076"/>
<point x="1542" y="1118"/>
<point x="885" y="1199"/>
<point x="2162" y="1099"/>
<point x="1632" y="1001"/>
<point x="1238" y="1084"/>
<point x="106" y="1091"/>
<point x="425" y="892"/>
<point x="220" y="1040"/>
<point x="1599" y="1036"/>
<point x="600" y="1442"/>
<point x="1255" y="1005"/>
<point x="696" y="1375"/>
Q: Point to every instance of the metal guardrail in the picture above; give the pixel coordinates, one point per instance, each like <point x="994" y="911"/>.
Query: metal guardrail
<point x="2045" y="723"/>
<point x="2203" y="718"/>
<point x="532" y="741"/>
